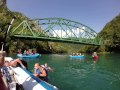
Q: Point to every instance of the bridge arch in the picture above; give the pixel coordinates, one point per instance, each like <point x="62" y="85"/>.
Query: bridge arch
<point x="56" y="29"/>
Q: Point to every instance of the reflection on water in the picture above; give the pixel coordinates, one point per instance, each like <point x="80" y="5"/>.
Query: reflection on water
<point x="82" y="73"/>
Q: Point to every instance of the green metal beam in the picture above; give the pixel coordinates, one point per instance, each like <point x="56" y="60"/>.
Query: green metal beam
<point x="53" y="39"/>
<point x="56" y="29"/>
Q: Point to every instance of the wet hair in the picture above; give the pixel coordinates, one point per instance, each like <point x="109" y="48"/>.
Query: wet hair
<point x="38" y="64"/>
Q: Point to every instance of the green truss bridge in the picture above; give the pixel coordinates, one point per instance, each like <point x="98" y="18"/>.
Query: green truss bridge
<point x="55" y="30"/>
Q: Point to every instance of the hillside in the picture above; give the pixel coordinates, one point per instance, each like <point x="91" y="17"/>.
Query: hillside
<point x="111" y="35"/>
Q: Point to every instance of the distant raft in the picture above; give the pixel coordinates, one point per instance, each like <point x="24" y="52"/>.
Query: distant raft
<point x="79" y="56"/>
<point x="29" y="56"/>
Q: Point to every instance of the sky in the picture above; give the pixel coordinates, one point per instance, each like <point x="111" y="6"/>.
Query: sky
<point x="92" y="13"/>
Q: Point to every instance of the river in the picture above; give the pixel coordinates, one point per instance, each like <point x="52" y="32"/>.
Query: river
<point x="82" y="74"/>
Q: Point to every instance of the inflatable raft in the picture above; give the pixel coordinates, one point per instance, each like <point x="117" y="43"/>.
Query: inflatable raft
<point x="80" y="56"/>
<point x="29" y="81"/>
<point x="29" y="56"/>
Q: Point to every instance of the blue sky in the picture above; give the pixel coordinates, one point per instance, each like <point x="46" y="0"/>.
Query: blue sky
<point x="93" y="13"/>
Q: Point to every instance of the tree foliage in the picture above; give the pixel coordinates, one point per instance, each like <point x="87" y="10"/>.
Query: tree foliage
<point x="111" y="35"/>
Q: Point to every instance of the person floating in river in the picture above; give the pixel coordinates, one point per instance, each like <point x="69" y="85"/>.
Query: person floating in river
<point x="48" y="68"/>
<point x="40" y="72"/>
<point x="95" y="56"/>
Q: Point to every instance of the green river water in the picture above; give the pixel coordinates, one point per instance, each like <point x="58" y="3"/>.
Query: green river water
<point x="76" y="74"/>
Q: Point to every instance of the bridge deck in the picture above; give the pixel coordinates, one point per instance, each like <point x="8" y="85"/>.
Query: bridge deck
<point x="53" y="39"/>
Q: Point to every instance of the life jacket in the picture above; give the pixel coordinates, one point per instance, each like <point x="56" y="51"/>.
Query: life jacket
<point x="46" y="69"/>
<point x="46" y="77"/>
<point x="95" y="57"/>
<point x="37" y="71"/>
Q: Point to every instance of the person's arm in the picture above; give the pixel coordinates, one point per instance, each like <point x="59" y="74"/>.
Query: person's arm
<point x="19" y="61"/>
<point x="50" y="69"/>
<point x="36" y="75"/>
<point x="43" y="74"/>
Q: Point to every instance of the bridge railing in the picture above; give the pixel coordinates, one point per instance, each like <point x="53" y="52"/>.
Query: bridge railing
<point x="56" y="29"/>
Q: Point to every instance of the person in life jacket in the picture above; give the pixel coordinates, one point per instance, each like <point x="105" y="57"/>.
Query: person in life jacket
<point x="48" y="68"/>
<point x="95" y="56"/>
<point x="40" y="72"/>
